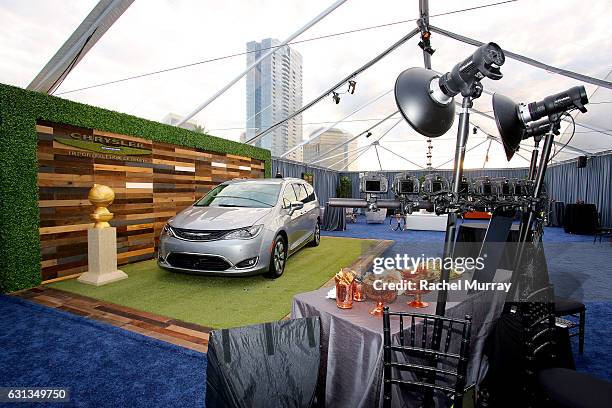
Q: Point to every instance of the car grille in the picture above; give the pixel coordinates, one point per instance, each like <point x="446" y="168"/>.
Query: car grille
<point x="196" y="235"/>
<point x="197" y="262"/>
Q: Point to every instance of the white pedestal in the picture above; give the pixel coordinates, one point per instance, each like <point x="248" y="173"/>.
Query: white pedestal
<point x="376" y="217"/>
<point x="426" y="222"/>
<point x="102" y="257"/>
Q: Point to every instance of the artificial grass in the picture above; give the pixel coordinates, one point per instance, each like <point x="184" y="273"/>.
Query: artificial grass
<point x="221" y="302"/>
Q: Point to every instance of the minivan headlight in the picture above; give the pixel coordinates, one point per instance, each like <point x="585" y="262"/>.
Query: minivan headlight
<point x="167" y="231"/>
<point x="244" y="233"/>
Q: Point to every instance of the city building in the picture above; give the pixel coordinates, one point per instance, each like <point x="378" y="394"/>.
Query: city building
<point x="173" y="119"/>
<point x="274" y="90"/>
<point x="327" y="141"/>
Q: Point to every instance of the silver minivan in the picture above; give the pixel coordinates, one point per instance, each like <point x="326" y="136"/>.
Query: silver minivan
<point x="242" y="227"/>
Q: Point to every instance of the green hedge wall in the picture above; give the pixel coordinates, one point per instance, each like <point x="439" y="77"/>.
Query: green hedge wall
<point x="19" y="216"/>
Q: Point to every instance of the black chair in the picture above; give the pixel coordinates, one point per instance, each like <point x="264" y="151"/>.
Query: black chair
<point x="601" y="232"/>
<point x="568" y="388"/>
<point x="569" y="307"/>
<point x="537" y="316"/>
<point x="547" y="385"/>
<point x="435" y="368"/>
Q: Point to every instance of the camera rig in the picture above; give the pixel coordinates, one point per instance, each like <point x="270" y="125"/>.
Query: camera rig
<point x="434" y="194"/>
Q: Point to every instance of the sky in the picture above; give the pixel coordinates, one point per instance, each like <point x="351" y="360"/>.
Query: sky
<point x="157" y="34"/>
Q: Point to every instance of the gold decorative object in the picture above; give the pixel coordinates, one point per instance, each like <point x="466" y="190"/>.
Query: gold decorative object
<point x="344" y="288"/>
<point x="101" y="196"/>
<point x="358" y="290"/>
<point x="380" y="296"/>
<point x="415" y="278"/>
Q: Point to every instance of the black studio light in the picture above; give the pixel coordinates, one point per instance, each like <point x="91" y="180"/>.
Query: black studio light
<point x="518" y="121"/>
<point x="426" y="99"/>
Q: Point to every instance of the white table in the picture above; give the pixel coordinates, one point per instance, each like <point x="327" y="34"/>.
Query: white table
<point x="426" y="222"/>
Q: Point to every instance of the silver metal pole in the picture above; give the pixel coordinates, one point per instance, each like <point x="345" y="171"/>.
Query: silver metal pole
<point x="355" y="159"/>
<point x="453" y="158"/>
<point x="402" y="157"/>
<point x="484" y="163"/>
<point x="379" y="139"/>
<point x="271" y="51"/>
<point x="86" y="35"/>
<point x="333" y="149"/>
<point x="527" y="60"/>
<point x="377" y="155"/>
<point x="338" y="84"/>
<point x="318" y="134"/>
<point x="336" y="155"/>
<point x="359" y="150"/>
<point x="451" y="223"/>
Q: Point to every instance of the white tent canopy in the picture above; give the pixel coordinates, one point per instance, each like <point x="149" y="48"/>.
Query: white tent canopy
<point x="185" y="41"/>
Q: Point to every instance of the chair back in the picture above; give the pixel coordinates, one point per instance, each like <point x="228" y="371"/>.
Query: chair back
<point x="537" y="315"/>
<point x="428" y="348"/>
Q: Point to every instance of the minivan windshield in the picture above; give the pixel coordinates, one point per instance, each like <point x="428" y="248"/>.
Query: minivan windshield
<point x="247" y="194"/>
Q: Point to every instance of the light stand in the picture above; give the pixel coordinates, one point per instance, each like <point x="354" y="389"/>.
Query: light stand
<point x="451" y="224"/>
<point x="516" y="122"/>
<point x="537" y="130"/>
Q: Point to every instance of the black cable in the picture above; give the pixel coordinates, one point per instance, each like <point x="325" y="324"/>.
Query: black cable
<point x="70" y="66"/>
<point x="161" y="71"/>
<point x="568" y="140"/>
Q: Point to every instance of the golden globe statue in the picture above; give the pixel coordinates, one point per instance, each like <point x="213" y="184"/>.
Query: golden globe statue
<point x="101" y="197"/>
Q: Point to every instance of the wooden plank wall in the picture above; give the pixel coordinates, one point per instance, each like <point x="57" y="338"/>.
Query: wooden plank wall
<point x="149" y="189"/>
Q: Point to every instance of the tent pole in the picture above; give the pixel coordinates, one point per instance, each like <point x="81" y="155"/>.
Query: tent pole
<point x="484" y="164"/>
<point x="452" y="158"/>
<point x="86" y="35"/>
<point x="333" y="149"/>
<point x="377" y="140"/>
<point x="316" y="136"/>
<point x="335" y="155"/>
<point x="271" y="51"/>
<point x="355" y="159"/>
<point x="359" y="151"/>
<point x="377" y="155"/>
<point x="402" y="157"/>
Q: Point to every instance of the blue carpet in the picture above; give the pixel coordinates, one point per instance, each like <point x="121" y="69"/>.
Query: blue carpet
<point x="104" y="366"/>
<point x="577" y="268"/>
<point x="596" y="359"/>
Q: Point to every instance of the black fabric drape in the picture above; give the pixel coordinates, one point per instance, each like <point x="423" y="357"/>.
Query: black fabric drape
<point x="581" y="218"/>
<point x="325" y="181"/>
<point x="266" y="365"/>
<point x="591" y="184"/>
<point x="334" y="219"/>
<point x="556" y="214"/>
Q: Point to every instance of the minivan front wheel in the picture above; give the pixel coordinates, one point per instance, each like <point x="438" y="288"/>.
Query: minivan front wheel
<point x="278" y="258"/>
<point x="316" y="238"/>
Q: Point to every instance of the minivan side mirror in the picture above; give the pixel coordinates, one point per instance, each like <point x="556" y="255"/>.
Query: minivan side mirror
<point x="294" y="206"/>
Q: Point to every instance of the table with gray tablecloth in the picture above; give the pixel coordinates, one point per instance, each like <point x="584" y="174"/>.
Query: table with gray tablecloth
<point x="352" y="340"/>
